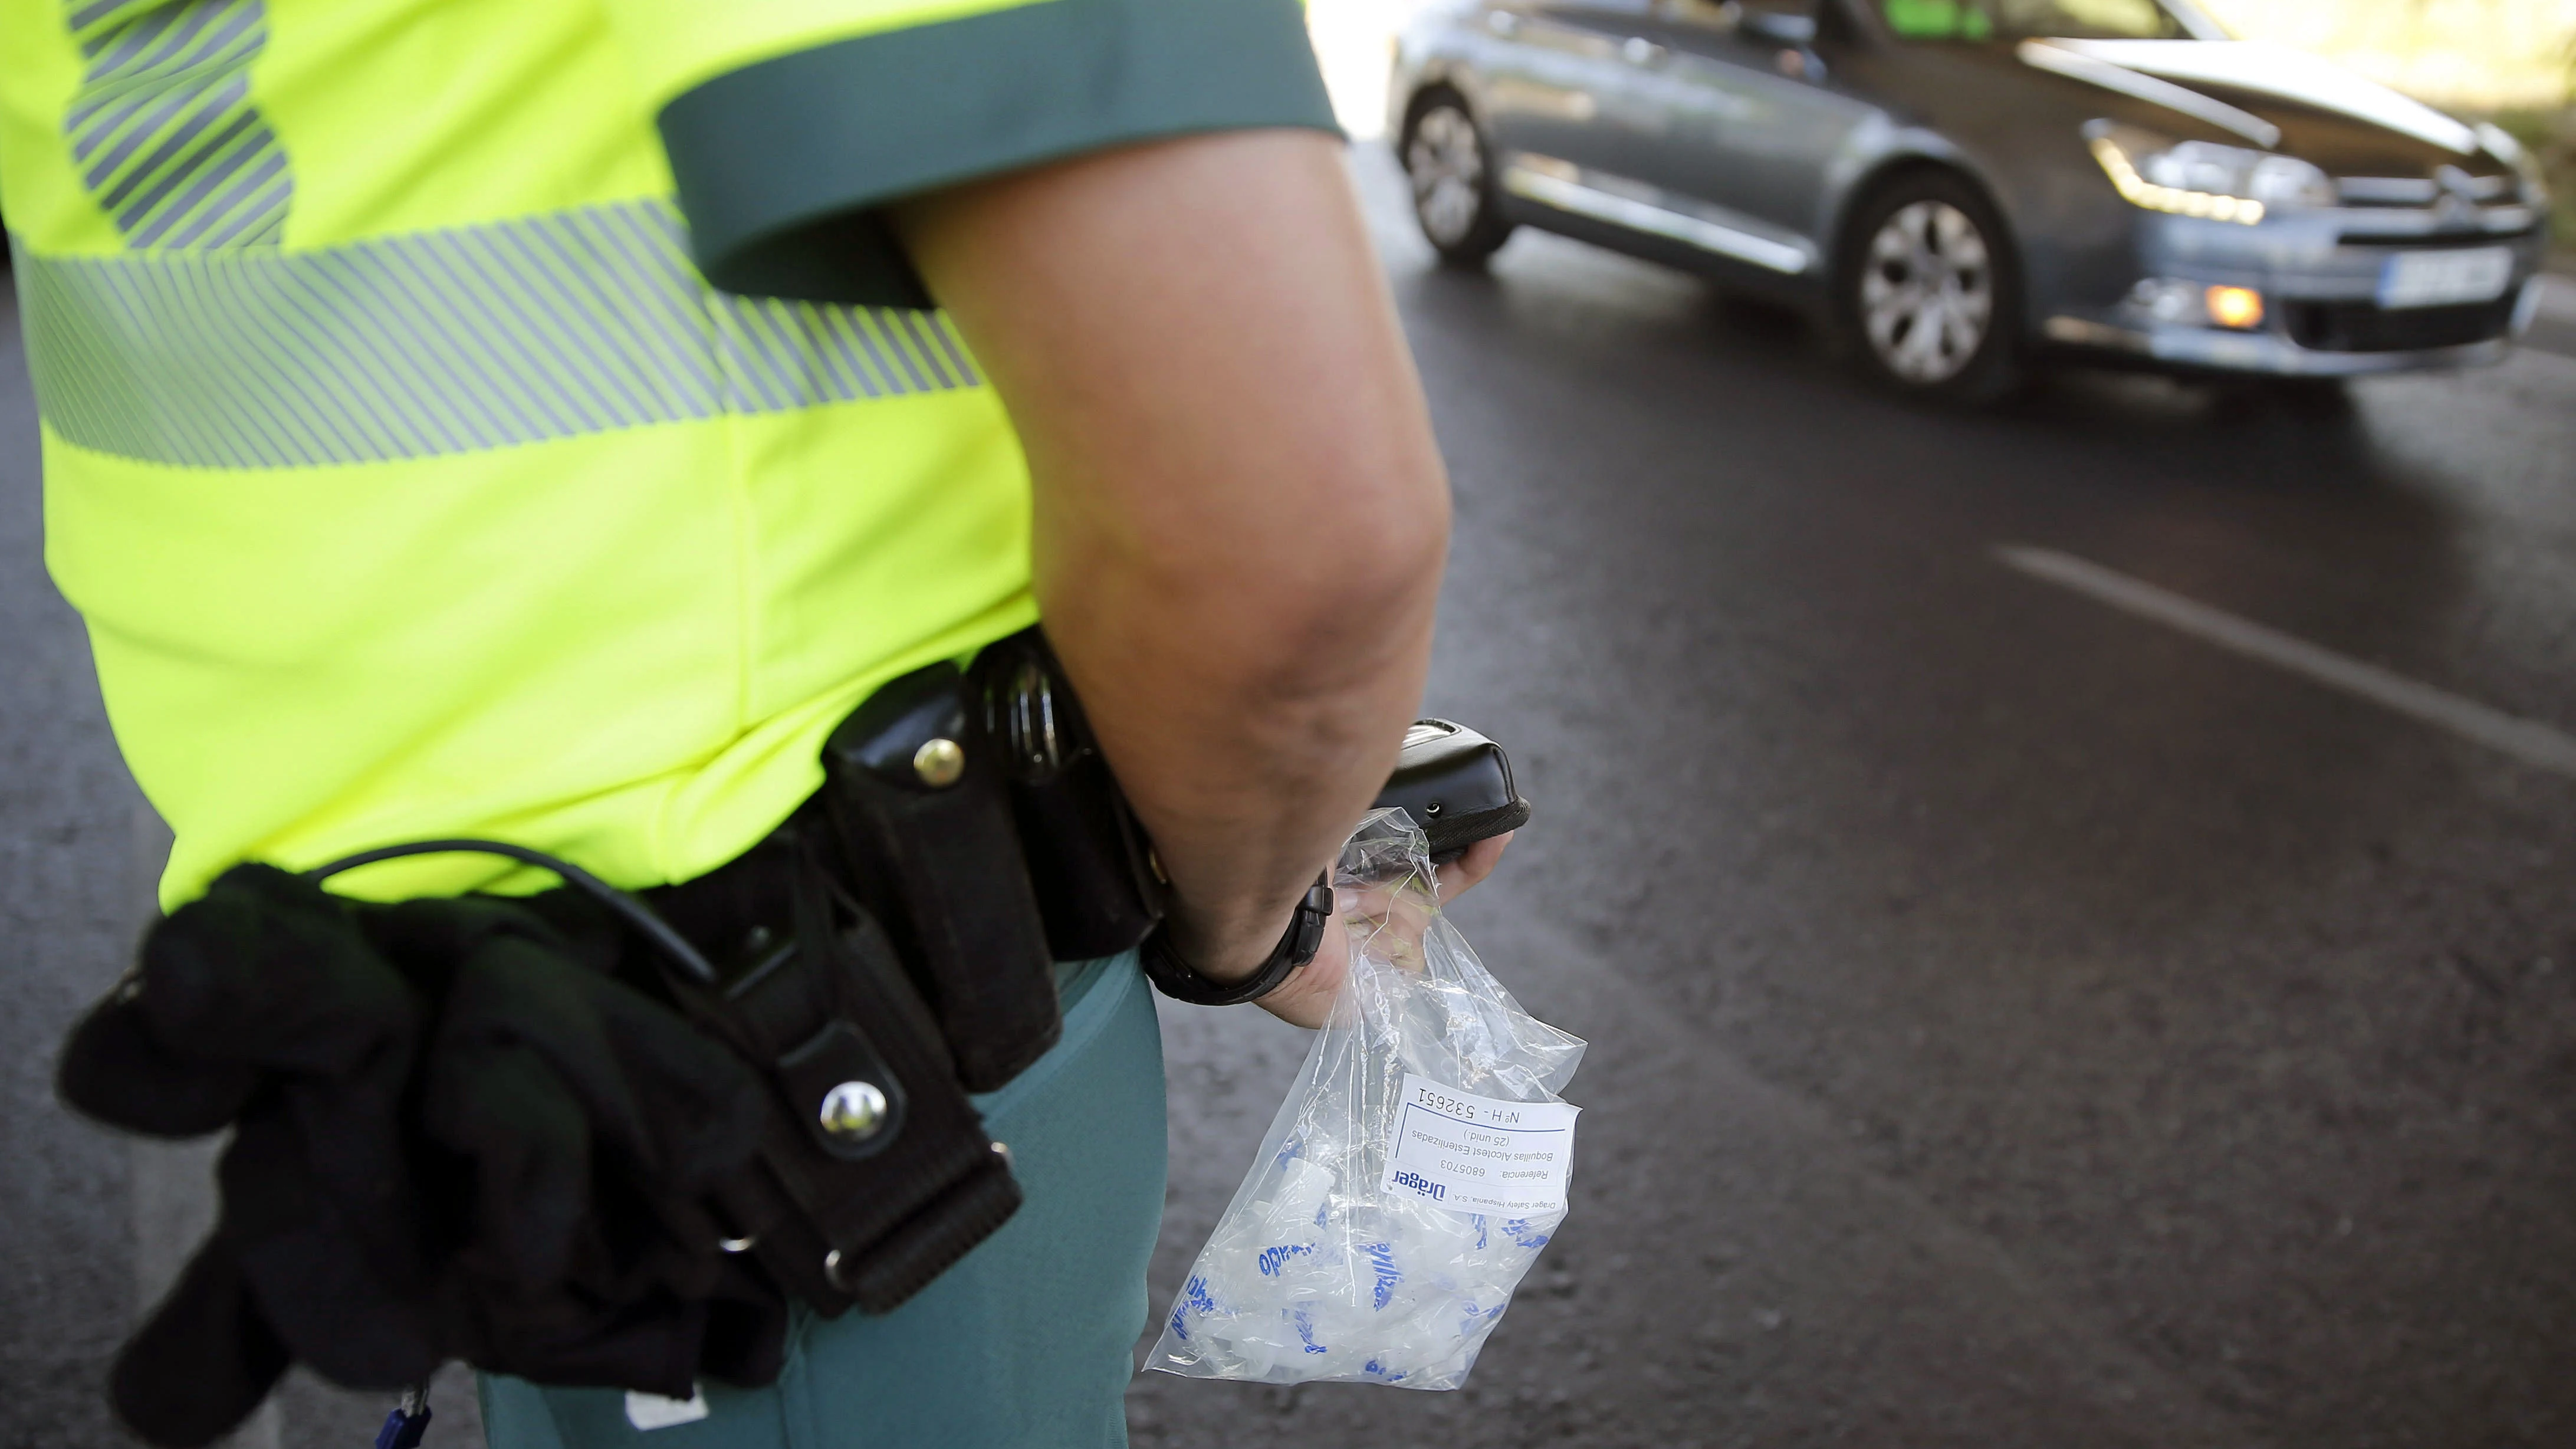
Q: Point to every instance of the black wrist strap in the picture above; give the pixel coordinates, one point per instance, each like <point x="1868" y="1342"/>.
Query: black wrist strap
<point x="1179" y="980"/>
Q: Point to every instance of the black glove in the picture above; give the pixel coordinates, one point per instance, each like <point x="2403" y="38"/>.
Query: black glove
<point x="266" y="974"/>
<point x="594" y="1122"/>
<point x="264" y="1007"/>
<point x="517" y="1187"/>
<point x="203" y="1361"/>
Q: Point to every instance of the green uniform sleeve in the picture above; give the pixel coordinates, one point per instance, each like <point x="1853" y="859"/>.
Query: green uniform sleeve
<point x="786" y="144"/>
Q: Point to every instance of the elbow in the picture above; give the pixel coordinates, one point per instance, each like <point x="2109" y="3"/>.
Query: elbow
<point x="1306" y="580"/>
<point x="1371" y="579"/>
<point x="1396" y="556"/>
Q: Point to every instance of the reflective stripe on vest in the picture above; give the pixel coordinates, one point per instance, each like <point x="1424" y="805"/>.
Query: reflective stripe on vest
<point x="163" y="128"/>
<point x="449" y="341"/>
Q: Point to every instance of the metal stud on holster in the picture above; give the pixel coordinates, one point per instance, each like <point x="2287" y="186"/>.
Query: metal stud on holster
<point x="922" y="814"/>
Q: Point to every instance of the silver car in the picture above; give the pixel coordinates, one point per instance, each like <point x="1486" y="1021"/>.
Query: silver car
<point x="1960" y="185"/>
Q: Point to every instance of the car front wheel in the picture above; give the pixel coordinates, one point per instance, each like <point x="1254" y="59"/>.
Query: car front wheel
<point x="1927" y="295"/>
<point x="1452" y="173"/>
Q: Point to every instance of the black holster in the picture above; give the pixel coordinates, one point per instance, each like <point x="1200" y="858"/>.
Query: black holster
<point x="875" y="1172"/>
<point x="967" y="837"/>
<point x="923" y="819"/>
<point x="1099" y="889"/>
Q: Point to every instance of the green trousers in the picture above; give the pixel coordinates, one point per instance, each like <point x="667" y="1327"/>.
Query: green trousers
<point x="1026" y="1343"/>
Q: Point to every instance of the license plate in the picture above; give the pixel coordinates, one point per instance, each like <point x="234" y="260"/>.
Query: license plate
<point x="2437" y="279"/>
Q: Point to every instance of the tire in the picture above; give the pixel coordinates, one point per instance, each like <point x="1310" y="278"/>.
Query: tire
<point x="1452" y="171"/>
<point x="1927" y="291"/>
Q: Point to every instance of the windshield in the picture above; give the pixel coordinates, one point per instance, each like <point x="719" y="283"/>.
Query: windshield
<point x="2018" y="19"/>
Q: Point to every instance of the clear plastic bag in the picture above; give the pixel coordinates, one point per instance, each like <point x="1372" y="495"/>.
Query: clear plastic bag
<point x="1411" y="1177"/>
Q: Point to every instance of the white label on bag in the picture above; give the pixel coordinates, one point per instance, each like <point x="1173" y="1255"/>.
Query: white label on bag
<point x="1475" y="1154"/>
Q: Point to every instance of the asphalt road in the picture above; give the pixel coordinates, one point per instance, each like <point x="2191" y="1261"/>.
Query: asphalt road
<point x="2016" y="1020"/>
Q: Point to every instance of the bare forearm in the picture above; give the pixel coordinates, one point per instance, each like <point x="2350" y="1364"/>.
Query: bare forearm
<point x="1247" y="782"/>
<point x="1240" y="511"/>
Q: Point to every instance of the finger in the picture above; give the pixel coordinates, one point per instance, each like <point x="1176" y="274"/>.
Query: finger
<point x="501" y="1106"/>
<point x="1477" y="862"/>
<point x="202" y="1362"/>
<point x="114" y="1070"/>
<point x="303" y="1252"/>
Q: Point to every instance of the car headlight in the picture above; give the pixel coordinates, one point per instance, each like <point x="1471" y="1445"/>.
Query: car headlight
<point x="2203" y="178"/>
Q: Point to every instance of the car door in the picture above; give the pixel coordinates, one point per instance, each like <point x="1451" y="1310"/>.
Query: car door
<point x="1561" y="88"/>
<point x="1754" y="138"/>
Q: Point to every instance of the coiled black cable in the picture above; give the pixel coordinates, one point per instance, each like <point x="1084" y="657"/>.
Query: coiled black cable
<point x="634" y="912"/>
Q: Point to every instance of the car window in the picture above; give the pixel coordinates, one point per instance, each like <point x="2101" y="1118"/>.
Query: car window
<point x="1731" y="16"/>
<point x="1603" y="17"/>
<point x="1704" y="14"/>
<point x="2014" y="19"/>
<point x="1632" y="8"/>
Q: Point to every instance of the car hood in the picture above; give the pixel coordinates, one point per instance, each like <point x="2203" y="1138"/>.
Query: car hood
<point x="2313" y="108"/>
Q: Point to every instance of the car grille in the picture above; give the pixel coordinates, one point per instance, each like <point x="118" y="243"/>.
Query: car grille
<point x="2418" y="211"/>
<point x="2420" y="190"/>
<point x="2365" y="327"/>
<point x="2370" y="237"/>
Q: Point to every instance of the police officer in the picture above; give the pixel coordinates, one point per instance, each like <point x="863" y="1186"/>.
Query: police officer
<point x="546" y="422"/>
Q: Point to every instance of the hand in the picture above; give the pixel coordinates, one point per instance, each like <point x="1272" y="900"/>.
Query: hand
<point x="1472" y="866"/>
<point x="1306" y="997"/>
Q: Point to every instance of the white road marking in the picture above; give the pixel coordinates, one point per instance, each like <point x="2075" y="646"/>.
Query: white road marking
<point x="2533" y="743"/>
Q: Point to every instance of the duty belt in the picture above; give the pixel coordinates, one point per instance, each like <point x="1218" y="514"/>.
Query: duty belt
<point x="394" y="1074"/>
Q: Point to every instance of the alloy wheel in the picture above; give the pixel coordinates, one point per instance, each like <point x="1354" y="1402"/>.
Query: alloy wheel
<point x="1927" y="292"/>
<point x="1447" y="163"/>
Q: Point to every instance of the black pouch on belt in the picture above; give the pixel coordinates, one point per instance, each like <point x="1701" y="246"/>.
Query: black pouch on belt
<point x="1097" y="888"/>
<point x="876" y="1174"/>
<point x="922" y="810"/>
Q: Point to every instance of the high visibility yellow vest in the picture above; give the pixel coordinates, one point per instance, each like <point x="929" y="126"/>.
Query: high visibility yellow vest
<point x="409" y="470"/>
